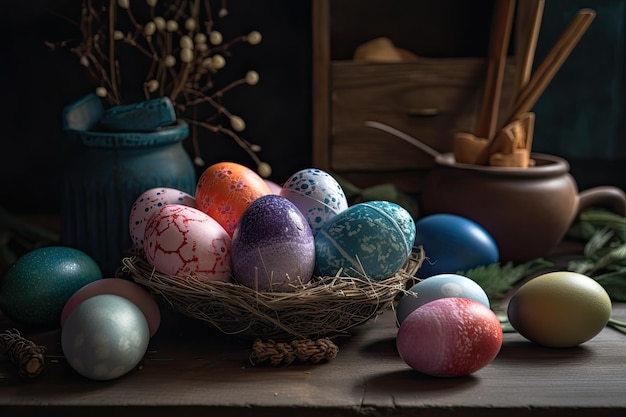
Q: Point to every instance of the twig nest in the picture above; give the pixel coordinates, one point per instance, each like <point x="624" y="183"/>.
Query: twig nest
<point x="326" y="306"/>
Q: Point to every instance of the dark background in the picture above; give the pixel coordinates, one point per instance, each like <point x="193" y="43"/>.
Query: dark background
<point x="36" y="83"/>
<point x="580" y="117"/>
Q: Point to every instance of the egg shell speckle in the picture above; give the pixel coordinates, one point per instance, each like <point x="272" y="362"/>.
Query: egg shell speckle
<point x="226" y="189"/>
<point x="148" y="203"/>
<point x="440" y="286"/>
<point x="183" y="241"/>
<point x="35" y="288"/>
<point x="105" y="337"/>
<point x="317" y="194"/>
<point x="449" y="337"/>
<point x="367" y="239"/>
<point x="273" y="246"/>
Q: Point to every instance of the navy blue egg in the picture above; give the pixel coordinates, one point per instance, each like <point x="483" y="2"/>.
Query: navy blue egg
<point x="453" y="244"/>
<point x="36" y="287"/>
<point x="273" y="246"/>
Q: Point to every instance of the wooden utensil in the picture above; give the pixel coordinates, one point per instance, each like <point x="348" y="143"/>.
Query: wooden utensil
<point x="499" y="45"/>
<point x="474" y="148"/>
<point x="511" y="148"/>
<point x="552" y="63"/>
<point x="529" y="16"/>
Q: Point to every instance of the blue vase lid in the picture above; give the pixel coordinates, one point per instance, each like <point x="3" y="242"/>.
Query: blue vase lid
<point x="81" y="117"/>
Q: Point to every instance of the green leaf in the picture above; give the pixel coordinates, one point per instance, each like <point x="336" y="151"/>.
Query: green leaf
<point x="614" y="283"/>
<point x="496" y="279"/>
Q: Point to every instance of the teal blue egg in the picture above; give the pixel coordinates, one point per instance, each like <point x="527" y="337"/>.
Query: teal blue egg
<point x="371" y="239"/>
<point x="36" y="287"/>
<point x="105" y="337"/>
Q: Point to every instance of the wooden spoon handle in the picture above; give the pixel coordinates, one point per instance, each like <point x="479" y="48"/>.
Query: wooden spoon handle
<point x="499" y="45"/>
<point x="552" y="63"/>
<point x="530" y="15"/>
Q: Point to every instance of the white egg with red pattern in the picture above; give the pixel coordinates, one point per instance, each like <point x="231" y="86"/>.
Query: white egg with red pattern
<point x="148" y="203"/>
<point x="183" y="241"/>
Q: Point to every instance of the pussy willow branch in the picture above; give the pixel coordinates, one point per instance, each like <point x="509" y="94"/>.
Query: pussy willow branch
<point x="182" y="80"/>
<point x="112" y="67"/>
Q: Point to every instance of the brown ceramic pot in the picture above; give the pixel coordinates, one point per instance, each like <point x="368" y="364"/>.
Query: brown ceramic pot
<point x="526" y="210"/>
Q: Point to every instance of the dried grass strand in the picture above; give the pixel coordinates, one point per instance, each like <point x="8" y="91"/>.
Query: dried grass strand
<point x="326" y="306"/>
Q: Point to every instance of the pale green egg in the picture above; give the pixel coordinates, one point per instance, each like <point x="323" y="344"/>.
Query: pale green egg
<point x="560" y="309"/>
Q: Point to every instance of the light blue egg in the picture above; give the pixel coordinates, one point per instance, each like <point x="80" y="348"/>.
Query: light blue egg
<point x="440" y="286"/>
<point x="105" y="337"/>
<point x="372" y="240"/>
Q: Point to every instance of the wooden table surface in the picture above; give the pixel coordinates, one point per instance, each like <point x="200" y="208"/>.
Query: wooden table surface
<point x="192" y="370"/>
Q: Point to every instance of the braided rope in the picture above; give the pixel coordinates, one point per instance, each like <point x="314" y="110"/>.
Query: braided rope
<point x="24" y="353"/>
<point x="301" y="350"/>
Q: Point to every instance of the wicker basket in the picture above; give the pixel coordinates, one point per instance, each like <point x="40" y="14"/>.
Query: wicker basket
<point x="325" y="307"/>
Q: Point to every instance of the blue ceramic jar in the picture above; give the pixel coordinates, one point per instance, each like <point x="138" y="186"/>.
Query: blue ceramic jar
<point x="106" y="174"/>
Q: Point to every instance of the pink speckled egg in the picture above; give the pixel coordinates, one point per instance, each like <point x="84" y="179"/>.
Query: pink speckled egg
<point x="449" y="337"/>
<point x="184" y="241"/>
<point x="226" y="189"/>
<point x="273" y="246"/>
<point x="148" y="203"/>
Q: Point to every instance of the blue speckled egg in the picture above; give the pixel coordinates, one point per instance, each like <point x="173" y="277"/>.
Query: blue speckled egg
<point x="371" y="239"/>
<point x="453" y="244"/>
<point x="316" y="194"/>
<point x="273" y="246"/>
<point x="440" y="286"/>
<point x="36" y="287"/>
<point x="105" y="337"/>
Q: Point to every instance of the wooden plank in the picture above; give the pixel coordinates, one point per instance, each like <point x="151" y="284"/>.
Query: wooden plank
<point x="321" y="84"/>
<point x="390" y="93"/>
<point x="191" y="369"/>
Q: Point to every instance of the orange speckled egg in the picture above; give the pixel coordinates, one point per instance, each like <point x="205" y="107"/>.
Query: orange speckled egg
<point x="226" y="189"/>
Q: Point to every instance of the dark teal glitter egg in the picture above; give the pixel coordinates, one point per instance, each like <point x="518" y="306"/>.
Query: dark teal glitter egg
<point x="36" y="287"/>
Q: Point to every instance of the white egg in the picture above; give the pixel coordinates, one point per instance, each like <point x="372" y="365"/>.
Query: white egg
<point x="316" y="194"/>
<point x="183" y="241"/>
<point x="148" y="203"/>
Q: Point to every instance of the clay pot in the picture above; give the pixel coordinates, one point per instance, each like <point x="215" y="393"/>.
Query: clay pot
<point x="526" y="210"/>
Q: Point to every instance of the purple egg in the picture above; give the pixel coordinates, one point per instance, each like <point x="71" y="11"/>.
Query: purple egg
<point x="273" y="248"/>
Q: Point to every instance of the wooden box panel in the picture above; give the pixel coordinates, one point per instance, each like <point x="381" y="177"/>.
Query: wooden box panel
<point x="429" y="100"/>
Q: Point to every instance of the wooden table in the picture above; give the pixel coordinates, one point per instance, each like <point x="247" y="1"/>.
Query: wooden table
<point x="190" y="370"/>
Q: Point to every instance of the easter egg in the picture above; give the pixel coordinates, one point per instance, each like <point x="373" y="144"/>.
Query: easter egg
<point x="317" y="194"/>
<point x="449" y="337"/>
<point x="183" y="241"/>
<point x="273" y="246"/>
<point x="560" y="309"/>
<point x="105" y="337"/>
<point x="122" y="287"/>
<point x="367" y="240"/>
<point x="148" y="203"/>
<point x="453" y="244"/>
<point x="35" y="288"/>
<point x="226" y="189"/>
<point x="274" y="188"/>
<point x="440" y="286"/>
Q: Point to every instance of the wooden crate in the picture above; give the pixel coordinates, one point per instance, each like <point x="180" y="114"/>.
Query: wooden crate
<point x="430" y="99"/>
